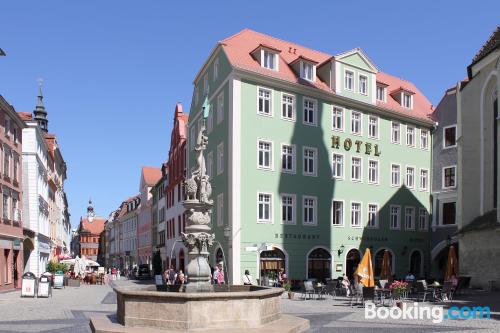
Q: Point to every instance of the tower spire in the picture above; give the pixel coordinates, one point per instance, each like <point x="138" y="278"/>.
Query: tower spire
<point x="40" y="113"/>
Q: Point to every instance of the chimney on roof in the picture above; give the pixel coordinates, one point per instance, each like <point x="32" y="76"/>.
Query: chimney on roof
<point x="294" y="51"/>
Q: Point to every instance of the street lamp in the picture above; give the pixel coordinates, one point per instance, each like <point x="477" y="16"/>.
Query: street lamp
<point x="448" y="240"/>
<point x="341" y="249"/>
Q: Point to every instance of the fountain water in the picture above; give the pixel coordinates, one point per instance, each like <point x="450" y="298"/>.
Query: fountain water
<point x="237" y="307"/>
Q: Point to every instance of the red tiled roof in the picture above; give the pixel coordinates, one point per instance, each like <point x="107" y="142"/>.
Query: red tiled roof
<point x="238" y="49"/>
<point x="25" y="115"/>
<point x="422" y="107"/>
<point x="95" y="227"/>
<point x="151" y="174"/>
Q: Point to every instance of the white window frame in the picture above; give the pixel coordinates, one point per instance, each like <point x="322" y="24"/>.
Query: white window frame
<point x="377" y="181"/>
<point x="220" y="158"/>
<point x="335" y="109"/>
<point x="398" y="227"/>
<point x="294" y="208"/>
<point x="384" y="93"/>
<point x="315" y="161"/>
<point x="399" y="132"/>
<point x="303" y="71"/>
<point x="390" y="175"/>
<point x="192" y="136"/>
<point x="426" y="188"/>
<point x="315" y="111"/>
<point x="315" y="210"/>
<point x="345" y="80"/>
<point x="403" y="96"/>
<point x="332" y="213"/>
<point x="413" y="136"/>
<point x="427" y="138"/>
<point x="334" y="164"/>
<point x="360" y="133"/>
<point x="426" y="221"/>
<point x="441" y="212"/>
<point x="377" y="212"/>
<point x="283" y="103"/>
<point x="210" y="121"/>
<point x="205" y="84"/>
<point x="220" y="108"/>
<point x="263" y="59"/>
<point x="294" y="159"/>
<point x="411" y="167"/>
<point x="444" y="137"/>
<point x="360" y="85"/>
<point x="210" y="164"/>
<point x="360" y="225"/>
<point x="360" y="180"/>
<point x="271" y="153"/>
<point x="454" y="166"/>
<point x="377" y="127"/>
<point x="271" y="96"/>
<point x="270" y="220"/>
<point x="412" y="215"/>
<point x="216" y="69"/>
<point x="220" y="209"/>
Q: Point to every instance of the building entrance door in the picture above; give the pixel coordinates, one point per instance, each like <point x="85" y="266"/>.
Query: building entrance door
<point x="352" y="260"/>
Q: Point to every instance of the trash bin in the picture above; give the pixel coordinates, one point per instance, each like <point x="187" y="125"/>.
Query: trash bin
<point x="59" y="279"/>
<point x="44" y="288"/>
<point x="28" y="285"/>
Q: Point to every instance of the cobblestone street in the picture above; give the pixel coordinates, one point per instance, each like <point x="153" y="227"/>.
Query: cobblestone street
<point x="69" y="310"/>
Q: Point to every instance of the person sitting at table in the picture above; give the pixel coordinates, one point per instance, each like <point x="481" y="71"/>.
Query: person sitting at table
<point x="346" y="285"/>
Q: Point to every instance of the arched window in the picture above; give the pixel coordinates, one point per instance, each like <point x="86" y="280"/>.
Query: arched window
<point x="271" y="262"/>
<point x="352" y="260"/>
<point x="379" y="258"/>
<point x="319" y="265"/>
<point x="219" y="256"/>
<point x="181" y="260"/>
<point x="416" y="263"/>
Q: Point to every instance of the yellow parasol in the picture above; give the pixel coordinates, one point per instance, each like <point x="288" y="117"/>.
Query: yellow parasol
<point x="365" y="270"/>
<point x="385" y="273"/>
<point x="451" y="264"/>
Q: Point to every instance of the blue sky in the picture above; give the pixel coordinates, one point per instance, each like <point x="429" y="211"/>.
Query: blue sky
<point x="113" y="70"/>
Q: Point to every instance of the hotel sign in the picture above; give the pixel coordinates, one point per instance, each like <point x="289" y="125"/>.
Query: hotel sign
<point x="359" y="145"/>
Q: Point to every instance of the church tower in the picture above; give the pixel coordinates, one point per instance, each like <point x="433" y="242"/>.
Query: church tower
<point x="40" y="113"/>
<point x="90" y="212"/>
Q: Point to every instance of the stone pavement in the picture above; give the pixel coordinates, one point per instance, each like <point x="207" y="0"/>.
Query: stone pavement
<point x="69" y="311"/>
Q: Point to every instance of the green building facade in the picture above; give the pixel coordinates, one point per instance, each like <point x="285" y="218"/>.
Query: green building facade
<point x="313" y="159"/>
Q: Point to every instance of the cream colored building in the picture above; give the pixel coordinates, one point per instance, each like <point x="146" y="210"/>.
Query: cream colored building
<point x="477" y="171"/>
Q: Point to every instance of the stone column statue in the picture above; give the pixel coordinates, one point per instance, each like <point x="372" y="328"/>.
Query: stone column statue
<point x="198" y="205"/>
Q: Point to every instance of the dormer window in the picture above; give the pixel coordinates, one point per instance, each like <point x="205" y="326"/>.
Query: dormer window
<point x="381" y="93"/>
<point x="407" y="100"/>
<point x="307" y="70"/>
<point x="269" y="60"/>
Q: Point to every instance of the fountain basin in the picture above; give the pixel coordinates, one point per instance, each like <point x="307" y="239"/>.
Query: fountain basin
<point x="234" y="308"/>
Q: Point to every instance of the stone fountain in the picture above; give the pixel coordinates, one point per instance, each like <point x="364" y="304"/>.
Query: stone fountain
<point x="200" y="306"/>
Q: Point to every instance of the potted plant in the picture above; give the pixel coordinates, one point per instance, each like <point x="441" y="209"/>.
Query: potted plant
<point x="399" y="289"/>
<point x="288" y="287"/>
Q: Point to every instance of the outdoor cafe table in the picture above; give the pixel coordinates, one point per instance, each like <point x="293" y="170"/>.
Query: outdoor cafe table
<point x="435" y="288"/>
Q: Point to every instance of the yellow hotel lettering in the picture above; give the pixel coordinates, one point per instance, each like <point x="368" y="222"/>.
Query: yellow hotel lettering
<point x="367" y="147"/>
